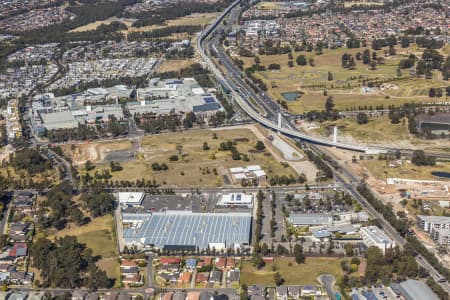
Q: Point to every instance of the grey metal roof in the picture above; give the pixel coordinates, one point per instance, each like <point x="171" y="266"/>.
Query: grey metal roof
<point x="185" y="228"/>
<point x="416" y="290"/>
<point x="310" y="219"/>
<point x="206" y="107"/>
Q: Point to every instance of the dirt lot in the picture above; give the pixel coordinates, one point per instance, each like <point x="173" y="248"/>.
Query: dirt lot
<point x="94" y="151"/>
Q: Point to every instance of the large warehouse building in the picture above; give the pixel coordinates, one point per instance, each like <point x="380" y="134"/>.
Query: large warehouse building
<point x="187" y="230"/>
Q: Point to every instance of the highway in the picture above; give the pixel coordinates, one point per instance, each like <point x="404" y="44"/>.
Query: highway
<point x="240" y="90"/>
<point x="238" y="95"/>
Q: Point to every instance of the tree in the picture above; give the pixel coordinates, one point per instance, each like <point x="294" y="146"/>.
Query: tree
<point x="298" y="253"/>
<point x="205" y="146"/>
<point x="330" y="76"/>
<point x="329" y="104"/>
<point x="420" y="159"/>
<point x="278" y="279"/>
<point x="260" y="146"/>
<point x="301" y="60"/>
<point x="362" y="118"/>
<point x="88" y="166"/>
<point x="432" y="92"/>
<point x="348" y="249"/>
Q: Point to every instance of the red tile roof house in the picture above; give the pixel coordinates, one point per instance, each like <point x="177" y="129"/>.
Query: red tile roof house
<point x="170" y="260"/>
<point x="128" y="264"/>
<point x="231" y="263"/>
<point x="202" y="278"/>
<point x="184" y="278"/>
<point x="221" y="262"/>
<point x="19" y="249"/>
<point x="204" y="261"/>
<point x="134" y="279"/>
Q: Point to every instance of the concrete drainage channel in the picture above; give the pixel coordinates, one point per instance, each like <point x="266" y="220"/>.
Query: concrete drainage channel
<point x="289" y="152"/>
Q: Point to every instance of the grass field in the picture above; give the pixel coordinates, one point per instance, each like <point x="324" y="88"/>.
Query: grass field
<point x="195" y="166"/>
<point x="194" y="19"/>
<point x="381" y="170"/>
<point x="346" y="84"/>
<point x="100" y="236"/>
<point x="293" y="274"/>
<point x="266" y="5"/>
<point x="370" y="131"/>
<point x="174" y="64"/>
<point x="94" y="25"/>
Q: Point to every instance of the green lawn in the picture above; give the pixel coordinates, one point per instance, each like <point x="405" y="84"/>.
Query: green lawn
<point x="292" y="274"/>
<point x="346" y="83"/>
<point x="99" y="235"/>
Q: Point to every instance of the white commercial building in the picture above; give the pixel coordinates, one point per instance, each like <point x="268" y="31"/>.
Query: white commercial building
<point x="428" y="223"/>
<point x="373" y="236"/>
<point x="130" y="199"/>
<point x="248" y="172"/>
<point x="236" y="199"/>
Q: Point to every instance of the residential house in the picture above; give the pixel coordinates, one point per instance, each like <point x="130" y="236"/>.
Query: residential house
<point x="92" y="296"/>
<point x="256" y="290"/>
<point x="109" y="296"/>
<point x="24" y="204"/>
<point x="202" y="278"/>
<point x="18" y="295"/>
<point x="35" y="295"/>
<point x="166" y="296"/>
<point x="281" y="292"/>
<point x="309" y="291"/>
<point x="233" y="276"/>
<point x="170" y="277"/>
<point x="128" y="264"/>
<point x="78" y="295"/>
<point x="193" y="296"/>
<point x="123" y="296"/>
<point x="170" y="260"/>
<point x="185" y="278"/>
<point x="215" y="277"/>
<point x="6" y="267"/>
<point x="204" y="261"/>
<point x="231" y="263"/>
<point x="8" y="260"/>
<point x="221" y="262"/>
<point x="25" y="278"/>
<point x="207" y="296"/>
<point x="179" y="296"/>
<point x="294" y="291"/>
<point x="19" y="228"/>
<point x="170" y="268"/>
<point x="19" y="250"/>
<point x="191" y="263"/>
<point x="4" y="277"/>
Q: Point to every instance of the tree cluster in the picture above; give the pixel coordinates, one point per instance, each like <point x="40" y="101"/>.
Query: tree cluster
<point x="66" y="263"/>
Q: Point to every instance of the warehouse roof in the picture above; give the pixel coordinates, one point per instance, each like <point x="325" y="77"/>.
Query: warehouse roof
<point x="310" y="219"/>
<point x="416" y="290"/>
<point x="185" y="228"/>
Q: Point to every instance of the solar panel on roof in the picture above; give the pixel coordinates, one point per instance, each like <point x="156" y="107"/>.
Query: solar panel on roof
<point x="209" y="100"/>
<point x="206" y="107"/>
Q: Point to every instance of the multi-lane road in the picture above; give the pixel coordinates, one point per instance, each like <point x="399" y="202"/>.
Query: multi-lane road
<point x="241" y="93"/>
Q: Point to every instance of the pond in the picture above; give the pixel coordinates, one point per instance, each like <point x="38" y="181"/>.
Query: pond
<point x="290" y="96"/>
<point x="441" y="174"/>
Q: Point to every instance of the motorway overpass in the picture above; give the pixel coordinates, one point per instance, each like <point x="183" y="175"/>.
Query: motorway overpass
<point x="257" y="116"/>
